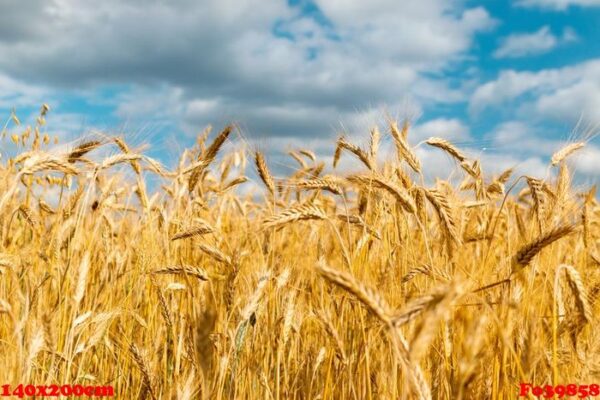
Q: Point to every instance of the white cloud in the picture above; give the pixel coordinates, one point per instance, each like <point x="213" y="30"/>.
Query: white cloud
<point x="562" y="94"/>
<point x="422" y="30"/>
<point x="495" y="163"/>
<point x="289" y="80"/>
<point x="527" y="147"/>
<point x="244" y="60"/>
<point x="512" y="144"/>
<point x="16" y="93"/>
<point x="149" y="103"/>
<point x="520" y="138"/>
<point x="558" y="4"/>
<point x="586" y="160"/>
<point x="581" y="98"/>
<point x="438" y="164"/>
<point x="451" y="129"/>
<point x="524" y="44"/>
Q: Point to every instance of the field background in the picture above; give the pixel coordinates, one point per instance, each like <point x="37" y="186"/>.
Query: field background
<point x="369" y="285"/>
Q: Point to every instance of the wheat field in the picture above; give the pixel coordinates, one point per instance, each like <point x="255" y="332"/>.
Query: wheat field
<point x="374" y="284"/>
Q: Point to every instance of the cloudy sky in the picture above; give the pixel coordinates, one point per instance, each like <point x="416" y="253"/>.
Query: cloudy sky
<point x="510" y="81"/>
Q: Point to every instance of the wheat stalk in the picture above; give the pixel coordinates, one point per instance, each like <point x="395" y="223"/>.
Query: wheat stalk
<point x="374" y="303"/>
<point x="201" y="227"/>
<point x="82" y="149"/>
<point x="299" y="212"/>
<point x="403" y="149"/>
<point x="343" y="144"/>
<point x="526" y="253"/>
<point x="320" y="183"/>
<point x="196" y="272"/>
<point x="400" y="194"/>
<point x="447" y="147"/>
<point x="141" y="362"/>
<point x="565" y="152"/>
<point x="264" y="173"/>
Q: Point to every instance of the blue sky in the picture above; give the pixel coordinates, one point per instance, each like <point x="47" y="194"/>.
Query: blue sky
<point x="510" y="81"/>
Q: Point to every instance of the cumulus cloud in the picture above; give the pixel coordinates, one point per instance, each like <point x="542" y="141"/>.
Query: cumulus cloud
<point x="245" y="62"/>
<point x="586" y="161"/>
<point x="560" y="94"/>
<point x="16" y="93"/>
<point x="519" y="137"/>
<point x="558" y="4"/>
<point x="511" y="144"/>
<point x="441" y="165"/>
<point x="581" y="98"/>
<point x="292" y="74"/>
<point x="451" y="129"/>
<point x="524" y="146"/>
<point x="538" y="42"/>
<point x="496" y="163"/>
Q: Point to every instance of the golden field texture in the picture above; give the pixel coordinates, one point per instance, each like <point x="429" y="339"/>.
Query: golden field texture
<point x="369" y="285"/>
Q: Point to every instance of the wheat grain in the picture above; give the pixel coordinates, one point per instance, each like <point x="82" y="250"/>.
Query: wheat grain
<point x="141" y="362"/>
<point x="264" y="173"/>
<point x="328" y="184"/>
<point x="400" y="194"/>
<point x="196" y="272"/>
<point x="565" y="152"/>
<point x="447" y="147"/>
<point x="300" y="212"/>
<point x="403" y="149"/>
<point x="343" y="144"/>
<point x="441" y="205"/>
<point x="365" y="295"/>
<point x="82" y="149"/>
<point x="525" y="254"/>
<point x="201" y="227"/>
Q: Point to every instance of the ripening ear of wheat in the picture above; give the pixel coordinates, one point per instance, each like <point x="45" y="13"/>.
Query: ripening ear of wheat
<point x="374" y="283"/>
<point x="530" y="250"/>
<point x="403" y="150"/>
<point x="295" y="213"/>
<point x="200" y="227"/>
<point x="264" y="173"/>
<point x="565" y="152"/>
<point x="447" y="147"/>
